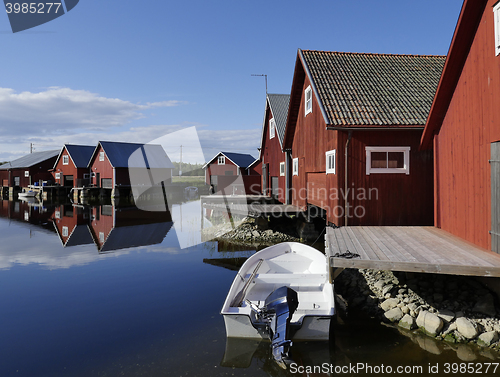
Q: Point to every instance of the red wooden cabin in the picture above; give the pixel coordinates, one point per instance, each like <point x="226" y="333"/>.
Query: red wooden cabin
<point x="274" y="160"/>
<point x="71" y="167"/>
<point x="225" y="168"/>
<point x="71" y="225"/>
<point x="464" y="129"/>
<point x="28" y="170"/>
<point x="113" y="163"/>
<point x="354" y="127"/>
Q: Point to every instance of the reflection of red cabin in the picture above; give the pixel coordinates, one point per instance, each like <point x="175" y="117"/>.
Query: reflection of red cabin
<point x="372" y="107"/>
<point x="112" y="163"/>
<point x="234" y="173"/>
<point x="274" y="160"/>
<point x="464" y="129"/>
<point x="114" y="229"/>
<point x="71" y="167"/>
<point x="71" y="224"/>
<point x="28" y="170"/>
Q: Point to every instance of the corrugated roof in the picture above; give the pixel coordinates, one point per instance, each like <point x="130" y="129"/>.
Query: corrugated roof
<point x="279" y="108"/>
<point x="122" y="155"/>
<point x="358" y="89"/>
<point x="80" y="154"/>
<point x="135" y="236"/>
<point x="243" y="160"/>
<point x="30" y="160"/>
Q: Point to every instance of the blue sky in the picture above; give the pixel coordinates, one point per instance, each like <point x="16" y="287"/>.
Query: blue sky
<point x="135" y="71"/>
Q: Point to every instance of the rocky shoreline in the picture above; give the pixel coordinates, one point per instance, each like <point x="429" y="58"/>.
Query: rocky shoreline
<point x="252" y="231"/>
<point x="454" y="309"/>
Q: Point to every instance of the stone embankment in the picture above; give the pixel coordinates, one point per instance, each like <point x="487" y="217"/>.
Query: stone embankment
<point x="254" y="231"/>
<point x="454" y="309"/>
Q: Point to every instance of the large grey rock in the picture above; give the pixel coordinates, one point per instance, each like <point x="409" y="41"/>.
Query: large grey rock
<point x="429" y="323"/>
<point x="389" y="304"/>
<point x="466" y="328"/>
<point x="407" y="322"/>
<point x="485" y="305"/>
<point x="394" y="314"/>
<point x="487" y="338"/>
<point x="446" y="315"/>
<point x="387" y="289"/>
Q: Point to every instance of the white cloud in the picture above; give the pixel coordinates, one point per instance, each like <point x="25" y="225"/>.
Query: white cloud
<point x="59" y="109"/>
<point x="55" y="116"/>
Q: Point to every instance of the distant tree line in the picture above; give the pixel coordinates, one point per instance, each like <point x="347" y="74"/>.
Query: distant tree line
<point x="188" y="169"/>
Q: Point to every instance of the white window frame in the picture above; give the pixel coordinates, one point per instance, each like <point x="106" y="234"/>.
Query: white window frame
<point x="295" y="166"/>
<point x="86" y="175"/>
<point x="26" y="173"/>
<point x="496" y="27"/>
<point x="282" y="169"/>
<point x="272" y="128"/>
<point x="404" y="170"/>
<point x="65" y="231"/>
<point x="221" y="160"/>
<point x="65" y="160"/>
<point x="101" y="156"/>
<point x="58" y="175"/>
<point x="331" y="156"/>
<point x="308" y="100"/>
<point x="101" y="237"/>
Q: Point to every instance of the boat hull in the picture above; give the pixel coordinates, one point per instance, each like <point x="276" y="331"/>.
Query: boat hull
<point x="312" y="329"/>
<point x="297" y="266"/>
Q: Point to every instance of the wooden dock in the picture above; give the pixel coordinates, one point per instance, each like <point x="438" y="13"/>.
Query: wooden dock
<point x="248" y="205"/>
<point x="412" y="249"/>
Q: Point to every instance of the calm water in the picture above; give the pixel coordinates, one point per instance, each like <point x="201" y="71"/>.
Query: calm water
<point x="109" y="292"/>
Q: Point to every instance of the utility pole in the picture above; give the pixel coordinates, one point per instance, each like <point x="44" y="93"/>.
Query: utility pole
<point x="265" y="76"/>
<point x="31" y="147"/>
<point x="180" y="164"/>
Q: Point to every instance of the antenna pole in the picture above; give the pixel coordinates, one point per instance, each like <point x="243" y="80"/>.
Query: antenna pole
<point x="265" y="76"/>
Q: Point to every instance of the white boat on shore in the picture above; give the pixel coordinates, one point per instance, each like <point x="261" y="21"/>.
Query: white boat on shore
<point x="281" y="293"/>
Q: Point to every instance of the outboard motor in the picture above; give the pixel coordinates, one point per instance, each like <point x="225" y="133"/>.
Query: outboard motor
<point x="278" y="310"/>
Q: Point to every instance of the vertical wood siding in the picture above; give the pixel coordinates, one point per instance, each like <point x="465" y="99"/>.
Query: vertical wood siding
<point x="462" y="147"/>
<point x="272" y="155"/>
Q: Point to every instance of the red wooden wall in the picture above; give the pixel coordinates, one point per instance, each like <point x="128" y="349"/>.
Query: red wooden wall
<point x="272" y="155"/>
<point x="462" y="147"/>
<point x="401" y="199"/>
<point x="103" y="167"/>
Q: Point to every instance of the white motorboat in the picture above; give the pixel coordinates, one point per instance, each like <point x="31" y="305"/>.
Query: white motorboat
<point x="27" y="194"/>
<point x="281" y="293"/>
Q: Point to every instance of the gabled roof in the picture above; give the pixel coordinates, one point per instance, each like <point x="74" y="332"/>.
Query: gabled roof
<point x="279" y="108"/>
<point x="359" y="89"/>
<point x="362" y="90"/>
<point x="465" y="31"/>
<point x="121" y="155"/>
<point x="278" y="105"/>
<point x="79" y="154"/>
<point x="242" y="160"/>
<point x="30" y="160"/>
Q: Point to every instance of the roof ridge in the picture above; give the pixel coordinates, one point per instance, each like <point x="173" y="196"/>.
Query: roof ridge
<point x="374" y="53"/>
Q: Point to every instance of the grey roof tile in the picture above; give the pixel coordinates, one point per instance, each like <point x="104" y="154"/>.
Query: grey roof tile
<point x="279" y="108"/>
<point x="359" y="89"/>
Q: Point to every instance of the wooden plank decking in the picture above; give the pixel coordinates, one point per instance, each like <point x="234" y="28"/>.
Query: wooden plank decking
<point x="413" y="249"/>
